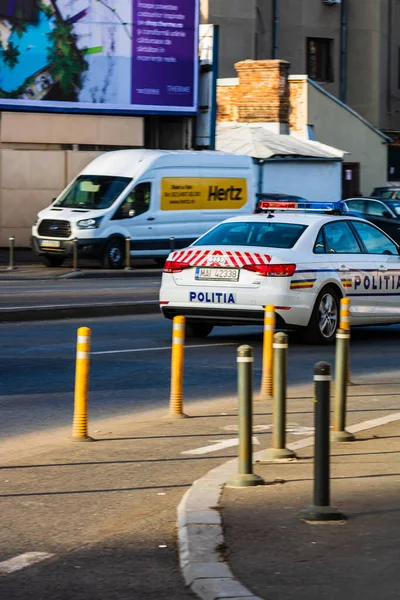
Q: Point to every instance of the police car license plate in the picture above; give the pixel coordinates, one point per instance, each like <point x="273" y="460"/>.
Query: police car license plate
<point x="50" y="243"/>
<point x="216" y="274"/>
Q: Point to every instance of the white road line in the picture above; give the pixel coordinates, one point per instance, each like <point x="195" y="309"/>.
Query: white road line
<point x="104" y="304"/>
<point x="22" y="561"/>
<point x="219" y="445"/>
<point x="162" y="348"/>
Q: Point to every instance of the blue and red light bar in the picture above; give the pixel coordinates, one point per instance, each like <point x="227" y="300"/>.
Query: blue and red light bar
<point x="270" y="205"/>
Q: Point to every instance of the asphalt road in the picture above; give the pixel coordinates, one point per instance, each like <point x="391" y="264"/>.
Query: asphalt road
<point x="130" y="366"/>
<point x="69" y="292"/>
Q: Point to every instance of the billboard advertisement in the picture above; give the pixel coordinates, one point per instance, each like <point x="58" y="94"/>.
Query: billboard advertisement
<point x="138" y="56"/>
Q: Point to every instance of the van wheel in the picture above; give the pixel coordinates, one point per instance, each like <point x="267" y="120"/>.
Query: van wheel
<point x="113" y="257"/>
<point x="324" y="320"/>
<point x="52" y="261"/>
<point x="198" y="330"/>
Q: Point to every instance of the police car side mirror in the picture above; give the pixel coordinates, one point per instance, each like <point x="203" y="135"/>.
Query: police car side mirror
<point x="386" y="214"/>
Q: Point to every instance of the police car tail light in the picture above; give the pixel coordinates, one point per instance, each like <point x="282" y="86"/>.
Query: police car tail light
<point x="272" y="270"/>
<point x="174" y="266"/>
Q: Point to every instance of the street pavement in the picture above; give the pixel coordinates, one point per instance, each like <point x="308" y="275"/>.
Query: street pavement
<point x="106" y="511"/>
<point x="277" y="555"/>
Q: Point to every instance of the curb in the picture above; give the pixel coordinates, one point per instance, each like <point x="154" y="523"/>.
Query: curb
<point x="200" y="534"/>
<point x="77" y="311"/>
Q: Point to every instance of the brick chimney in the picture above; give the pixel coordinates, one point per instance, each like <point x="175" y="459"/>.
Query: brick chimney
<point x="262" y="95"/>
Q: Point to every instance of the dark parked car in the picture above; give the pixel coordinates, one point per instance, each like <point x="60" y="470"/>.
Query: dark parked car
<point x="383" y="213"/>
<point x="389" y="192"/>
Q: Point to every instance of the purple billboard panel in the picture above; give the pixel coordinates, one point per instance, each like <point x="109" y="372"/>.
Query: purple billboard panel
<point x="135" y="56"/>
<point x="164" y="54"/>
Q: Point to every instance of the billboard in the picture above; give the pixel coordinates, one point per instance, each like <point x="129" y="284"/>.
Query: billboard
<point x="136" y="56"/>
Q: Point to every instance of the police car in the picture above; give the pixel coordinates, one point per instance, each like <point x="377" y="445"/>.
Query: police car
<point x="302" y="257"/>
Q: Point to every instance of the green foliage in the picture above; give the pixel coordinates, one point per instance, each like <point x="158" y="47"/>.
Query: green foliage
<point x="10" y="55"/>
<point x="19" y="24"/>
<point x="67" y="61"/>
<point x="48" y="11"/>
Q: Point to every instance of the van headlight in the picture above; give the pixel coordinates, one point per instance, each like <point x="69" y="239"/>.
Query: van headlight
<point x="89" y="223"/>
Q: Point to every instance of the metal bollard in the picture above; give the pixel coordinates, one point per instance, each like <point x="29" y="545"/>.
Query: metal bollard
<point x="128" y="254"/>
<point x="80" y="422"/>
<point x="245" y="476"/>
<point x="267" y="378"/>
<point x="75" y="254"/>
<point x="321" y="509"/>
<point x="339" y="433"/>
<point x="177" y="363"/>
<point x="172" y="243"/>
<point x="11" y="265"/>
<point x="279" y="450"/>
<point x="345" y="323"/>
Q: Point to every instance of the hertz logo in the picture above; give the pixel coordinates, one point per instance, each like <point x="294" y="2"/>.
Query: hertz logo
<point x="220" y="193"/>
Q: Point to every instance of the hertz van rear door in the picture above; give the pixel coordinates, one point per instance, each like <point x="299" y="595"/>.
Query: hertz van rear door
<point x="195" y="196"/>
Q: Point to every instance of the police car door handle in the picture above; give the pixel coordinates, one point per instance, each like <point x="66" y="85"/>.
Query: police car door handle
<point x="344" y="268"/>
<point x="382" y="268"/>
<point x="150" y="218"/>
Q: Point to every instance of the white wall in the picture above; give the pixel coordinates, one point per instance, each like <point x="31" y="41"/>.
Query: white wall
<point x="312" y="180"/>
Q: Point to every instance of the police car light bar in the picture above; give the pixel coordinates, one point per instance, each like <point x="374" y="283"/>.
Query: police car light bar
<point x="337" y="207"/>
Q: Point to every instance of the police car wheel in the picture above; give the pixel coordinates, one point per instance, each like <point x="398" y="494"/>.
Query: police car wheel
<point x="198" y="330"/>
<point x="113" y="257"/>
<point x="325" y="318"/>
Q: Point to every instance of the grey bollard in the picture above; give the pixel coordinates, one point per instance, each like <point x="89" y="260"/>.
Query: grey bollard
<point x="279" y="450"/>
<point x="245" y="477"/>
<point x="321" y="509"/>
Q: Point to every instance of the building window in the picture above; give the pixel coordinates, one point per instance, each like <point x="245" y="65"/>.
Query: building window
<point x="319" y="59"/>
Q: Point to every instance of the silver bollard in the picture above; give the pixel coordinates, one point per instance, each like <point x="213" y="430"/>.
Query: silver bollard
<point x="11" y="265"/>
<point x="128" y="254"/>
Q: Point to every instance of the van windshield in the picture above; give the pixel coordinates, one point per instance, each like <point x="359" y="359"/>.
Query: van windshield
<point x="93" y="191"/>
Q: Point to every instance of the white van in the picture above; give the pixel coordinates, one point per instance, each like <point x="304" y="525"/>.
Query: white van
<point x="149" y="196"/>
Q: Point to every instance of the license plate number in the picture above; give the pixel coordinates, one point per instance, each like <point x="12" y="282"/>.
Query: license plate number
<point x="216" y="274"/>
<point x="50" y="243"/>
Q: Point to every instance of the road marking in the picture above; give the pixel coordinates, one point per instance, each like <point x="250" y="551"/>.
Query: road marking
<point x="219" y="445"/>
<point x="22" y="561"/>
<point x="162" y="348"/>
<point x="294" y="429"/>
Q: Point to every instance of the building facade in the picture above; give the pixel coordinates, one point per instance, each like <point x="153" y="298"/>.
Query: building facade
<point x="354" y="53"/>
<point x="264" y="94"/>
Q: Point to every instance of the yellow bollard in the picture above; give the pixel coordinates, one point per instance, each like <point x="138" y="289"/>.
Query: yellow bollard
<point x="80" y="423"/>
<point x="345" y="324"/>
<point x="267" y="379"/>
<point x="177" y="361"/>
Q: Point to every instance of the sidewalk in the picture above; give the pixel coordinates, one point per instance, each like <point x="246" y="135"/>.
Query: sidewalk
<point x="276" y="555"/>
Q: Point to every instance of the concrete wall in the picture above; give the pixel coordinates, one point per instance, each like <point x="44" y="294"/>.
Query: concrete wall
<point x="44" y="128"/>
<point x="311" y="180"/>
<point x="29" y="180"/>
<point x="335" y="125"/>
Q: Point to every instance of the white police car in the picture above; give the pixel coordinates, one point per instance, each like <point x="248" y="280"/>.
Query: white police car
<point x="301" y="257"/>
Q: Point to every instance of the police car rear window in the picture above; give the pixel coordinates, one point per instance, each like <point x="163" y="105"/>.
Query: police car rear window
<point x="271" y="234"/>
